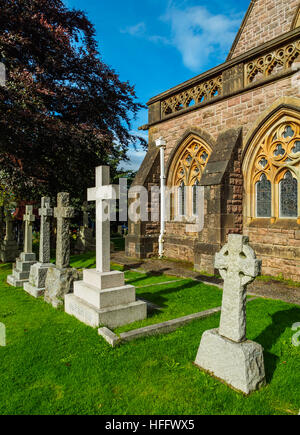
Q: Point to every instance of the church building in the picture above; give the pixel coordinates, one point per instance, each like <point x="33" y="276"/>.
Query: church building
<point x="235" y="130"/>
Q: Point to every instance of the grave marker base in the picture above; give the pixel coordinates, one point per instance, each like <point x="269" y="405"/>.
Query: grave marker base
<point x="104" y="299"/>
<point x="240" y="365"/>
<point x="37" y="279"/>
<point x="21" y="270"/>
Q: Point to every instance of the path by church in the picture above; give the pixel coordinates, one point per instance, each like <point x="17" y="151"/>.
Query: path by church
<point x="272" y="289"/>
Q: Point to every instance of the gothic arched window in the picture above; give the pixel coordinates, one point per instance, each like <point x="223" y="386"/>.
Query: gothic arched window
<point x="185" y="173"/>
<point x="273" y="173"/>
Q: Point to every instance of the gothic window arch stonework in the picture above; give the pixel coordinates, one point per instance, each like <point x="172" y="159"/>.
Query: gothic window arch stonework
<point x="272" y="174"/>
<point x="186" y="170"/>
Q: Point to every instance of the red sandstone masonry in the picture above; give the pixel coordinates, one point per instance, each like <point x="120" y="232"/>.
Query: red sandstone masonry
<point x="229" y="113"/>
<point x="268" y="19"/>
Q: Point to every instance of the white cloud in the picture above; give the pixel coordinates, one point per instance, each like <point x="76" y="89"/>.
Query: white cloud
<point x="195" y="32"/>
<point x="137" y="30"/>
<point x="136" y="158"/>
<point x="198" y="34"/>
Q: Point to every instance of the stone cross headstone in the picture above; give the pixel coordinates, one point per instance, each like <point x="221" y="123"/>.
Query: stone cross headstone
<point x="9" y="227"/>
<point x="238" y="267"/>
<point x="63" y="213"/>
<point x="103" y="298"/>
<point x="45" y="213"/>
<point x="102" y="194"/>
<point x="85" y="215"/>
<point x="225" y="352"/>
<point x="60" y="279"/>
<point x="38" y="271"/>
<point x="27" y="258"/>
<point x="9" y="247"/>
<point x="28" y="218"/>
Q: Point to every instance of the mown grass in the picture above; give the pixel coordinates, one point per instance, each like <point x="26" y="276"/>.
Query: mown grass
<point x="53" y="364"/>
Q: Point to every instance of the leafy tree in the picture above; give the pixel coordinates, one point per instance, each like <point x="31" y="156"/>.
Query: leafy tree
<point x="63" y="111"/>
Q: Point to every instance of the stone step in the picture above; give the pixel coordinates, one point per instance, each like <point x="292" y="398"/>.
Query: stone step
<point x="23" y="266"/>
<point x="33" y="291"/>
<point x="104" y="280"/>
<point x="12" y="280"/>
<point x="28" y="256"/>
<point x="20" y="275"/>
<point x="111" y="317"/>
<point x="104" y="298"/>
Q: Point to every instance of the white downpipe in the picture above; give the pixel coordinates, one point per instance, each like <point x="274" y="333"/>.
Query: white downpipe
<point x="162" y="145"/>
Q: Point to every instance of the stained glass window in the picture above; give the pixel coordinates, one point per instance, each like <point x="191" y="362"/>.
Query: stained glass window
<point x="181" y="199"/>
<point x="263" y="197"/>
<point x="195" y="198"/>
<point x="288" y="196"/>
<point x="279" y="151"/>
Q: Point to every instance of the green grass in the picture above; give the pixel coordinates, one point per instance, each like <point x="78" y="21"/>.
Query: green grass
<point x="53" y="364"/>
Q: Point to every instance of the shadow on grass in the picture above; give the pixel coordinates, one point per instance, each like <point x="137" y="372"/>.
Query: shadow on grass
<point x="158" y="297"/>
<point x="269" y="336"/>
<point x="147" y="275"/>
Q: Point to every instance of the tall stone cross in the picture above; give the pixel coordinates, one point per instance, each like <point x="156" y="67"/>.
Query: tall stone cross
<point x="28" y="218"/>
<point x="63" y="213"/>
<point x="8" y="227"/>
<point x="238" y="267"/>
<point x="45" y="213"/>
<point x="102" y="194"/>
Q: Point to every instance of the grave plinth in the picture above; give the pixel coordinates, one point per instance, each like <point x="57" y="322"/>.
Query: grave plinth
<point x="38" y="272"/>
<point x="21" y="268"/>
<point x="225" y="352"/>
<point x="59" y="279"/>
<point x="102" y="298"/>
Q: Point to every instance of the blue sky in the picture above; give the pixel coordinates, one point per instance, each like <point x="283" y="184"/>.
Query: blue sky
<point x="157" y="44"/>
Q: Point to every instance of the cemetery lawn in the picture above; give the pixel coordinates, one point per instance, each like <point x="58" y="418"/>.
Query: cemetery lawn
<point x="53" y="364"/>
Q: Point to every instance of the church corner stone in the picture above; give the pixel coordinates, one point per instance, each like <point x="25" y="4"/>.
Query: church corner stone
<point x="225" y="352"/>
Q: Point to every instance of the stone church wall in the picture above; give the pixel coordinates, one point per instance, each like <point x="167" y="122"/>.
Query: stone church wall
<point x="265" y="20"/>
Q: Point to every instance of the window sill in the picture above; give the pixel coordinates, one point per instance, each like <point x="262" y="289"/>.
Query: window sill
<point x="284" y="224"/>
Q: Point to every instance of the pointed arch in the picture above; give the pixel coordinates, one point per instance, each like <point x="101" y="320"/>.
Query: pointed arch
<point x="272" y="152"/>
<point x="185" y="168"/>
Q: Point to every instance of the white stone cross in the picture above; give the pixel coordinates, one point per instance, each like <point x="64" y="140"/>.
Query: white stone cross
<point x="28" y="218"/>
<point x="238" y="267"/>
<point x="103" y="193"/>
<point x="45" y="213"/>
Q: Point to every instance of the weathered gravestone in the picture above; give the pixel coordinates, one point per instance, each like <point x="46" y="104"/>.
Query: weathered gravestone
<point x="59" y="279"/>
<point x="102" y="298"/>
<point x="27" y="258"/>
<point x="225" y="352"/>
<point x="38" y="272"/>
<point x="9" y="247"/>
<point x="85" y="241"/>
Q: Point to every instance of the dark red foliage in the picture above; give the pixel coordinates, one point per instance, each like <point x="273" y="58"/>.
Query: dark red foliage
<point x="63" y="111"/>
